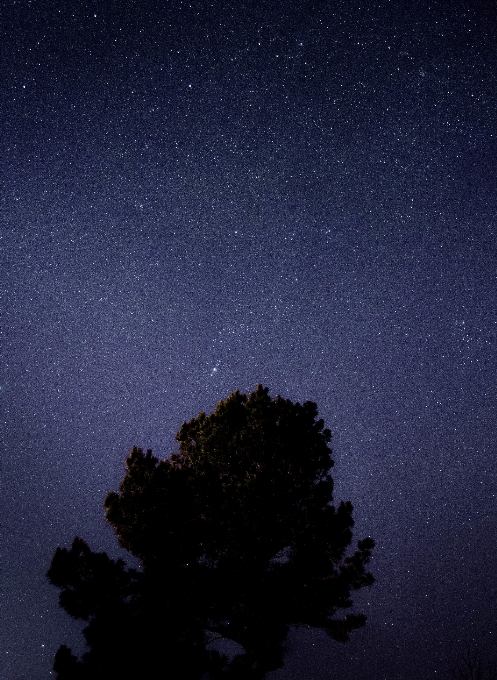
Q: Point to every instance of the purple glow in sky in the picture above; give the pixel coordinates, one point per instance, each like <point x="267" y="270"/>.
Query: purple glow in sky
<point x="201" y="196"/>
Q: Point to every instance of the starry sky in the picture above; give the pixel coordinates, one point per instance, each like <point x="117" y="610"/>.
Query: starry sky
<point x="199" y="196"/>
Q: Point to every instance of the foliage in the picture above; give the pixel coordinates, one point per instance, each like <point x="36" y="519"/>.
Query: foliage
<point x="238" y="539"/>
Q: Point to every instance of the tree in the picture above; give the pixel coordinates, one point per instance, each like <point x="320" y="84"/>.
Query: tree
<point x="237" y="538"/>
<point x="471" y="666"/>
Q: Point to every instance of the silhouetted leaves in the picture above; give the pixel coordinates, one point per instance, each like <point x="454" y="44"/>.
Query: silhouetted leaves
<point x="237" y="537"/>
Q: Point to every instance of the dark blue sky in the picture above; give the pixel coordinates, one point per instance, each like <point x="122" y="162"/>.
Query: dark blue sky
<point x="199" y="197"/>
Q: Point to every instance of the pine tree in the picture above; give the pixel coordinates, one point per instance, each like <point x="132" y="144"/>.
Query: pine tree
<point x="238" y="539"/>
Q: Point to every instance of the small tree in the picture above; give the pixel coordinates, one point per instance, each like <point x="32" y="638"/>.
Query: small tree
<point x="238" y="539"/>
<point x="471" y="666"/>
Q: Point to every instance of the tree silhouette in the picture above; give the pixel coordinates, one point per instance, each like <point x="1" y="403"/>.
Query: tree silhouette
<point x="237" y="539"/>
<point x="471" y="666"/>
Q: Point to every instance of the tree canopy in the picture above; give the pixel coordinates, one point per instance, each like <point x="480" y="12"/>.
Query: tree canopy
<point x="237" y="538"/>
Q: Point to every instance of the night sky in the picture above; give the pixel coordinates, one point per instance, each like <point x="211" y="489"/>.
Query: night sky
<point x="199" y="196"/>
